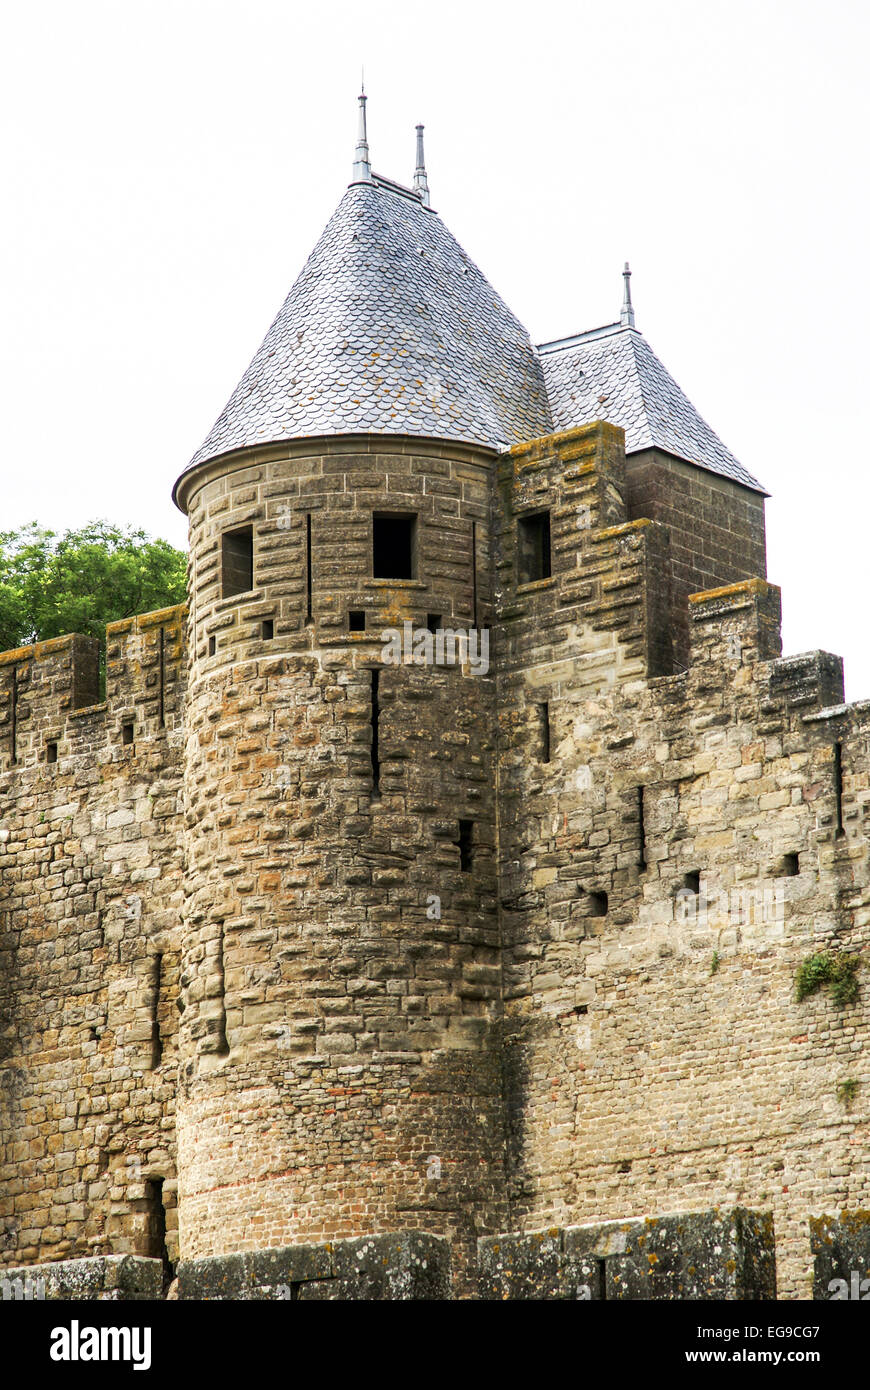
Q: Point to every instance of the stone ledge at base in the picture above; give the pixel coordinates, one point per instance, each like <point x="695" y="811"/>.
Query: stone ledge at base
<point x="717" y="1254"/>
<point x="841" y="1256"/>
<point x="408" y="1265"/>
<point x="93" y="1278"/>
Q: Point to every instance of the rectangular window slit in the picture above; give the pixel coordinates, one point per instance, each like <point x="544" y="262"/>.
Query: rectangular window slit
<point x="156" y="1235"/>
<point x="544" y="731"/>
<point x="51" y="752"/>
<point x="533" y="548"/>
<point x="212" y="646"/>
<point x="267" y="629"/>
<point x="161" y="709"/>
<point x="308" y="590"/>
<point x="433" y="621"/>
<point x="13" y="698"/>
<point x="466" y="828"/>
<point x="838" y="786"/>
<point x="237" y="562"/>
<point x="356" y="620"/>
<point x="156" y="984"/>
<point x="641" y="828"/>
<point x="375" y="721"/>
<point x="474" y="570"/>
<point x="223" y="1045"/>
<point x="127" y="732"/>
<point x="393" y="546"/>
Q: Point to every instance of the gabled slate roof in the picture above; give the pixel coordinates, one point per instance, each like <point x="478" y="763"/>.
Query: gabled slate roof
<point x="613" y="374"/>
<point x="390" y="328"/>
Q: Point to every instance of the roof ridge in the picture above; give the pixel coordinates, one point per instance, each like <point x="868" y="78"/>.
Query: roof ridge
<point x="639" y="375"/>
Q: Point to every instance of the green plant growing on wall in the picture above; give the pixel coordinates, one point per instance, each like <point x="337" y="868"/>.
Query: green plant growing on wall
<point x="714" y="964"/>
<point x="834" y="968"/>
<point x="846" y="1091"/>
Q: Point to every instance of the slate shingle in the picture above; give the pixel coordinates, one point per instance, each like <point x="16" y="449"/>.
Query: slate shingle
<point x="392" y="329"/>
<point x="613" y="374"/>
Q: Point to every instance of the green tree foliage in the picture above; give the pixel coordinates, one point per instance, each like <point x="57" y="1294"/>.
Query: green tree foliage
<point x="51" y="585"/>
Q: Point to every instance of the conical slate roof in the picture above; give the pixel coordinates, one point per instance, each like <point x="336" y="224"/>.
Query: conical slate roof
<point x="389" y="329"/>
<point x="392" y="329"/>
<point x="613" y="374"/>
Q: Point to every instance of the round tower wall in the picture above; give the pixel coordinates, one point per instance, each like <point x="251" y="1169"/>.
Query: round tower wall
<point x="340" y="1072"/>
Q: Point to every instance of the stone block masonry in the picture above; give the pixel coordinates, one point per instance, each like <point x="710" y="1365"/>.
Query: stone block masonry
<point x="404" y="1266"/>
<point x="693" y="1256"/>
<point x="90" y="892"/>
<point x="94" y="1279"/>
<point x="305" y="956"/>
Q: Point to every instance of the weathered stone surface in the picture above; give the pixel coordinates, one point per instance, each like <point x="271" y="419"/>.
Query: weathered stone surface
<point x="688" y="1256"/>
<point x="841" y="1255"/>
<point x="95" y="1278"/>
<point x="408" y="1265"/>
<point x="536" y="1266"/>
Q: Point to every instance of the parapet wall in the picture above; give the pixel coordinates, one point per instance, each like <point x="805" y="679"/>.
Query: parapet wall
<point x="723" y="1255"/>
<point x="90" y="884"/>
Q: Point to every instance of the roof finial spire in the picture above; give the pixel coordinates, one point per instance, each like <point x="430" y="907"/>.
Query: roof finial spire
<point x="626" y="318"/>
<point x="362" y="169"/>
<point x="421" y="185"/>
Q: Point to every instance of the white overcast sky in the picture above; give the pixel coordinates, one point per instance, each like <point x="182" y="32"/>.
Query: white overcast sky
<point x="166" y="169"/>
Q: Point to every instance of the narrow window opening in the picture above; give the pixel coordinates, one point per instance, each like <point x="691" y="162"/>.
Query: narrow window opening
<point x="375" y="721"/>
<point x="641" y="829"/>
<point x="466" y="829"/>
<point x="692" y="881"/>
<point x="13" y="697"/>
<point x="838" y="786"/>
<point x="212" y="646"/>
<point x="267" y="629"/>
<point x="597" y="904"/>
<point x="433" y="621"/>
<point x="161" y="705"/>
<point x="533" y="548"/>
<point x="791" y="866"/>
<point x="356" y="620"/>
<point x="308" y="577"/>
<point x="544" y="731"/>
<point x="223" y="1045"/>
<point x="156" y="1228"/>
<point x="156" y="985"/>
<point x="51" y="752"/>
<point x="237" y="562"/>
<point x="474" y="570"/>
<point x="393" y="547"/>
<point x="127" y="732"/>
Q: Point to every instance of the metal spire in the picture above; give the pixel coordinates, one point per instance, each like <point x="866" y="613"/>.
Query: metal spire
<point x="421" y="186"/>
<point x="626" y="318"/>
<point x="362" y="169"/>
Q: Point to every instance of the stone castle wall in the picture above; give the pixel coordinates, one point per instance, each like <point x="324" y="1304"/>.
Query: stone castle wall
<point x="90" y="891"/>
<point x="341" y="968"/>
<point x="656" y="1056"/>
<point x="220" y="909"/>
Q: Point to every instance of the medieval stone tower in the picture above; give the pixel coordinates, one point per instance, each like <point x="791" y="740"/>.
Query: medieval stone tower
<point x="440" y="875"/>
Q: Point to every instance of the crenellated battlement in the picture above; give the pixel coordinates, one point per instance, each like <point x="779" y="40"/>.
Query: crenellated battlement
<point x="49" y="707"/>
